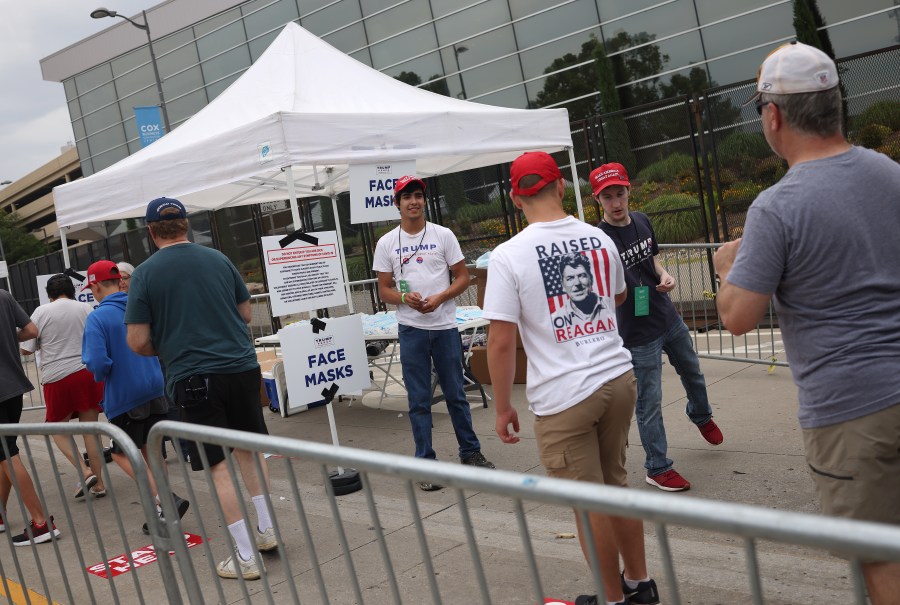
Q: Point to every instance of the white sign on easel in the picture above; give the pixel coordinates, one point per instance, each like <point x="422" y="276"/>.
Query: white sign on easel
<point x="304" y="276"/>
<point x="85" y="297"/>
<point x="372" y="190"/>
<point x="314" y="361"/>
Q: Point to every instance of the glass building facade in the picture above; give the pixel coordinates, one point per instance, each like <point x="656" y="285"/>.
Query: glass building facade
<point x="513" y="53"/>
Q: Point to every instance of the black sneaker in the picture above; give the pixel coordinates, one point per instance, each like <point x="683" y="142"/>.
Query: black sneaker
<point x="645" y="593"/>
<point x="591" y="599"/>
<point x="41" y="534"/>
<point x="180" y="503"/>
<point x="478" y="459"/>
<point x="107" y="455"/>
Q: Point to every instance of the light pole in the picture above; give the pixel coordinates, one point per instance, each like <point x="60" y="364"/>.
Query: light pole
<point x="6" y="183"/>
<point x="457" y="51"/>
<point x="101" y="13"/>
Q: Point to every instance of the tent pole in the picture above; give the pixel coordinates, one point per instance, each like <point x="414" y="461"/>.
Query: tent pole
<point x="340" y="239"/>
<point x="65" y="247"/>
<point x="576" y="184"/>
<point x="292" y="194"/>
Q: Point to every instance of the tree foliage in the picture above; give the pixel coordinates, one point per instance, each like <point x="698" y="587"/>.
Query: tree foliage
<point x="572" y="83"/>
<point x="617" y="145"/>
<point x="434" y="84"/>
<point x="18" y="244"/>
<point x="642" y="63"/>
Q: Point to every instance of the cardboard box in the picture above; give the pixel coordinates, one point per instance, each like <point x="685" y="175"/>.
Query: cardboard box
<point x="479" y="367"/>
<point x="480" y="285"/>
<point x="267" y="358"/>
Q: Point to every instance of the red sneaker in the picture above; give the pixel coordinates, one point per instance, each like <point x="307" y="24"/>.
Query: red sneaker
<point x="2" y="525"/>
<point x="669" y="481"/>
<point x="41" y="533"/>
<point x="711" y="432"/>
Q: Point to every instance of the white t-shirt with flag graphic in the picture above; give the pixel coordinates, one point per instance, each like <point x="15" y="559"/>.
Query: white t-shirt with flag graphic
<point x="426" y="258"/>
<point x="572" y="341"/>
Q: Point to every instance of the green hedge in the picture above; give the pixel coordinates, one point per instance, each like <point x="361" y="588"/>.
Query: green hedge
<point x="668" y="169"/>
<point x="675" y="227"/>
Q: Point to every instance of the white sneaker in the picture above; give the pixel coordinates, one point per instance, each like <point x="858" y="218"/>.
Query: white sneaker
<point x="249" y="569"/>
<point x="265" y="540"/>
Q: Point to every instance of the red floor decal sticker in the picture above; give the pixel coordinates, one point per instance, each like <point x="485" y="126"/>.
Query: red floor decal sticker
<point x="141" y="557"/>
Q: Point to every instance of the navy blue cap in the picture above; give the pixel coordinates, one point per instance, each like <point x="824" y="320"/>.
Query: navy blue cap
<point x="157" y="206"/>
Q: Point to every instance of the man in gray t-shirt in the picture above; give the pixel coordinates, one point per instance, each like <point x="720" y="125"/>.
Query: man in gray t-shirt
<point x="16" y="327"/>
<point x="823" y="242"/>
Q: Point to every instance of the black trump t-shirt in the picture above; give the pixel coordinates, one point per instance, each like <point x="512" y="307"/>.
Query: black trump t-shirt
<point x="636" y="243"/>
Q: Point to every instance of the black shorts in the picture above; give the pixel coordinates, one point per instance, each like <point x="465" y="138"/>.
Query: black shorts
<point x="10" y="413"/>
<point x="137" y="422"/>
<point x="229" y="401"/>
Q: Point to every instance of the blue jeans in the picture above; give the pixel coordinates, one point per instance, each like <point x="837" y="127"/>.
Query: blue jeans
<point x="647" y="360"/>
<point x="419" y="349"/>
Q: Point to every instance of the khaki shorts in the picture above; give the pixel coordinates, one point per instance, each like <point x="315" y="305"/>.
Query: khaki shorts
<point x="587" y="441"/>
<point x="856" y="465"/>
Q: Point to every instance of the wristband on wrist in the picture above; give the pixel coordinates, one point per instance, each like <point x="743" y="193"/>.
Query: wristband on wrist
<point x="403" y="298"/>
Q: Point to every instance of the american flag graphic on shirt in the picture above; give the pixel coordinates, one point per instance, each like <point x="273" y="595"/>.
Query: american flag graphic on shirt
<point x="556" y="296"/>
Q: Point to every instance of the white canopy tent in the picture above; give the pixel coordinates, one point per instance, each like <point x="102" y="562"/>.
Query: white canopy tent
<point x="295" y="120"/>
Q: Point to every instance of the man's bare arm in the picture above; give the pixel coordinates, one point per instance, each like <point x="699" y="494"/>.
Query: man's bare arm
<point x="28" y="332"/>
<point x="139" y="339"/>
<point x="740" y="309"/>
<point x="245" y="311"/>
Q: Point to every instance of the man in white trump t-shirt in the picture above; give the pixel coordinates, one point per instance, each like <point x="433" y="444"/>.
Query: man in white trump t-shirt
<point x="414" y="263"/>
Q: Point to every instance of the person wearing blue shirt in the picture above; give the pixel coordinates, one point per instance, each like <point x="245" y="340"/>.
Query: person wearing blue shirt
<point x="134" y="394"/>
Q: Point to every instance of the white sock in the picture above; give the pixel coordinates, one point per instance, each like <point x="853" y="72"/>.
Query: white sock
<point x="238" y="531"/>
<point x="262" y="513"/>
<point x="632" y="584"/>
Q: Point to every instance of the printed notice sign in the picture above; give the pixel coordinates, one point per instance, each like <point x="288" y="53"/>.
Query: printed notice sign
<point x="313" y="361"/>
<point x="303" y="276"/>
<point x="85" y="296"/>
<point x="372" y="190"/>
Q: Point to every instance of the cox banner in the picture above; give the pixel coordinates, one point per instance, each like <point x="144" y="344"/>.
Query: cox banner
<point x="149" y="124"/>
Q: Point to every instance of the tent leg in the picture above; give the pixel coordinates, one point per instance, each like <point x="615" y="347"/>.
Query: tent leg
<point x="65" y="248"/>
<point x="576" y="184"/>
<point x="340" y="239"/>
<point x="292" y="195"/>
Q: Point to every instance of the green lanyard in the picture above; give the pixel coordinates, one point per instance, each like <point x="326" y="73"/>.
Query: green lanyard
<point x="641" y="292"/>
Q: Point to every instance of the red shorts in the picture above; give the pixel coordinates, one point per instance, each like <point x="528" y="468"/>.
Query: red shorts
<point x="75" y="393"/>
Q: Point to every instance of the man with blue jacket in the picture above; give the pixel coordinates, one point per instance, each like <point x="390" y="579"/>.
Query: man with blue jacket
<point x="134" y="396"/>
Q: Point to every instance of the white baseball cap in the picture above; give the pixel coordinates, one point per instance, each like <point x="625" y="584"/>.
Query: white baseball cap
<point x="795" y="68"/>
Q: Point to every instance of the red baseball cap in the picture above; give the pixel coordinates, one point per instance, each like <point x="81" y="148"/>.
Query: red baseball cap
<point x="100" y="271"/>
<point x="403" y="182"/>
<point x="607" y="175"/>
<point x="537" y="163"/>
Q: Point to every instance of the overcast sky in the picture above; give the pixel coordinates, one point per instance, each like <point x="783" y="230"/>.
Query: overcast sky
<point x="34" y="120"/>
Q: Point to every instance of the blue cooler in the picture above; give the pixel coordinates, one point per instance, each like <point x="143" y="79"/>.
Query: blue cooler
<point x="271" y="390"/>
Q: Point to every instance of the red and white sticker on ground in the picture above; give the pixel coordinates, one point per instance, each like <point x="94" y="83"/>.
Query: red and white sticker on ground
<point x="549" y="601"/>
<point x="142" y="556"/>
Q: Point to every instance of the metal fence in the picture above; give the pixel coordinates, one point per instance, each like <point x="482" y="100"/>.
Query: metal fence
<point x="386" y="543"/>
<point x="694" y="297"/>
<point x="100" y="538"/>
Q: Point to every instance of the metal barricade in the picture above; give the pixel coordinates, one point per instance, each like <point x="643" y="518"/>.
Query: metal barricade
<point x="33" y="400"/>
<point x="388" y="544"/>
<point x="694" y="297"/>
<point x="100" y="538"/>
